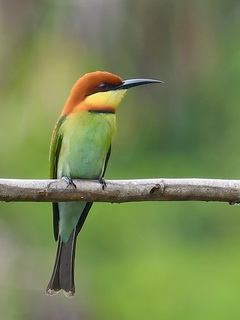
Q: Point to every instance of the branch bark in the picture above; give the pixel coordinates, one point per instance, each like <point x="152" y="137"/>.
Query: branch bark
<point x="121" y="190"/>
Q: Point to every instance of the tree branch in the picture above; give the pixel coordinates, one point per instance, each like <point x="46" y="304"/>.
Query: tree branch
<point x="121" y="190"/>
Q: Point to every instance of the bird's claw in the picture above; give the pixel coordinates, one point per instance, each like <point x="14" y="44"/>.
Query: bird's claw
<point x="69" y="182"/>
<point x="103" y="183"/>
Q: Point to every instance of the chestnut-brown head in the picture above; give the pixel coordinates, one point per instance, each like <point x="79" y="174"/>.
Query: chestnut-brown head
<point x="100" y="90"/>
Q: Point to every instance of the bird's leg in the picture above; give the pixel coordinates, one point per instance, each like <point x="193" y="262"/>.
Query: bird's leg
<point x="69" y="182"/>
<point x="103" y="183"/>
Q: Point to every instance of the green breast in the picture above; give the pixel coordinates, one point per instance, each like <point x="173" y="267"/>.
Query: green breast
<point x="87" y="138"/>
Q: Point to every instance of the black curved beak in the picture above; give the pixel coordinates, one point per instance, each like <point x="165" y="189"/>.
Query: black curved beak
<point x="134" y="83"/>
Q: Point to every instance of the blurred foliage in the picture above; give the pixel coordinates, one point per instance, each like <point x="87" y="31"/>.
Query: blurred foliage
<point x="138" y="260"/>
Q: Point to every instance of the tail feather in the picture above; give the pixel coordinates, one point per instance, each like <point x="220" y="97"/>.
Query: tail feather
<point x="63" y="271"/>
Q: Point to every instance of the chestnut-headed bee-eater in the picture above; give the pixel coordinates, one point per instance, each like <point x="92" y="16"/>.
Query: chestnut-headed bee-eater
<point x="80" y="148"/>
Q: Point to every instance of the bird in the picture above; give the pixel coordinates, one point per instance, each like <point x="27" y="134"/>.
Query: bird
<point x="80" y="149"/>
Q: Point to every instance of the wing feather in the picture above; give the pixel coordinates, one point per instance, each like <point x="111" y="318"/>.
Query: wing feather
<point x="55" y="147"/>
<point x="106" y="161"/>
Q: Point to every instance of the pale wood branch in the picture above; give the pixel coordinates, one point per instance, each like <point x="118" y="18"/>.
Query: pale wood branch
<point x="121" y="190"/>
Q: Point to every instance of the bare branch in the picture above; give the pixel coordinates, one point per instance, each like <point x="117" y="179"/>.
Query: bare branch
<point x="121" y="190"/>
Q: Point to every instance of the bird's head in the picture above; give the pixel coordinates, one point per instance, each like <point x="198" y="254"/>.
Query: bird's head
<point x="100" y="90"/>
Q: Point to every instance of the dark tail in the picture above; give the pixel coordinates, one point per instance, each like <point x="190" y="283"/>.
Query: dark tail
<point x="63" y="272"/>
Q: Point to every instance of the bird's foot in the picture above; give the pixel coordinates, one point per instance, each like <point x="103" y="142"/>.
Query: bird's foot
<point x="103" y="183"/>
<point x="69" y="182"/>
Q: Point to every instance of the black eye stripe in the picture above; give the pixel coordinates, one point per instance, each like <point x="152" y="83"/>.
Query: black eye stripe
<point x="103" y="86"/>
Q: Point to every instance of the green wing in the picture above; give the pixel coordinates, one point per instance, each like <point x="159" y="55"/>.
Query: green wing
<point x="55" y="148"/>
<point x="106" y="161"/>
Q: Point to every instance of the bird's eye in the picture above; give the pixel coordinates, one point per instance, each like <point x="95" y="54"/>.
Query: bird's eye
<point x="103" y="86"/>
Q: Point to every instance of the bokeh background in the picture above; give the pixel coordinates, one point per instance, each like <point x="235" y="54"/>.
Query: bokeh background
<point x="170" y="260"/>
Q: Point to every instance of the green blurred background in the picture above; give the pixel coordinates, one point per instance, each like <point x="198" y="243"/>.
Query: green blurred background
<point x="138" y="260"/>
